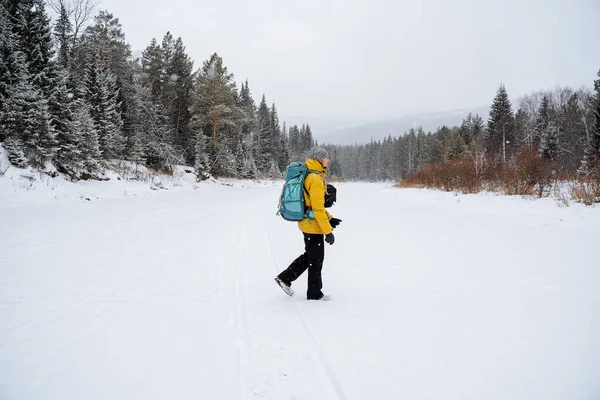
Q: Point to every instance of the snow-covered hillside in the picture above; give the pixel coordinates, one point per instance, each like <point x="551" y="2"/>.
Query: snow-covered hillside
<point x="171" y="296"/>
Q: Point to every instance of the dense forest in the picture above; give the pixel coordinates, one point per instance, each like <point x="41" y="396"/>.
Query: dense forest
<point x="75" y="99"/>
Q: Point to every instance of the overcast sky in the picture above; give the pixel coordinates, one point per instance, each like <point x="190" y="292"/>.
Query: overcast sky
<point x="374" y="59"/>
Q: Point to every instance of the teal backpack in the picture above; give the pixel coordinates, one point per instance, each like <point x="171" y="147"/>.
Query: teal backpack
<point x="291" y="200"/>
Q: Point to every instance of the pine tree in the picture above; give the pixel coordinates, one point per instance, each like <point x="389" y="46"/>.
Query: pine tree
<point x="306" y="139"/>
<point x="178" y="95"/>
<point x="335" y="167"/>
<point x="466" y="130"/>
<point x="102" y="94"/>
<point x="246" y="103"/>
<point x="150" y="128"/>
<point x="31" y="26"/>
<point x="105" y="40"/>
<point x="159" y="151"/>
<point x="88" y="144"/>
<point x="246" y="132"/>
<point x="8" y="49"/>
<point x="411" y="148"/>
<point x="278" y="145"/>
<point x="63" y="32"/>
<point x="153" y="69"/>
<point x="548" y="132"/>
<point x="28" y="78"/>
<point x="25" y="116"/>
<point x="500" y="126"/>
<point x="168" y="49"/>
<point x="263" y="151"/>
<point x="423" y="151"/>
<point x="458" y="147"/>
<point x="575" y="117"/>
<point x="294" y="143"/>
<point x="215" y="95"/>
<point x="471" y="128"/>
<point x="9" y="138"/>
<point x="41" y="142"/>
<point x="477" y="126"/>
<point x="67" y="155"/>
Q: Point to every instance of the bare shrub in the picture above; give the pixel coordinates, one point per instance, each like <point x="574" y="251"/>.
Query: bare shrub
<point x="587" y="188"/>
<point x="458" y="174"/>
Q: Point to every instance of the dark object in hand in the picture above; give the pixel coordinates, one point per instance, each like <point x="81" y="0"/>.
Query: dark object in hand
<point x="330" y="195"/>
<point x="334" y="222"/>
<point x="329" y="238"/>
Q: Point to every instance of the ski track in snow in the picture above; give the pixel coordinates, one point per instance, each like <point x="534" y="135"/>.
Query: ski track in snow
<point x="316" y="347"/>
<point x="436" y="296"/>
<point x="243" y="338"/>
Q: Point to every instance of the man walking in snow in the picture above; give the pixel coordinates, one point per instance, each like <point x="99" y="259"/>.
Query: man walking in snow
<point x="314" y="230"/>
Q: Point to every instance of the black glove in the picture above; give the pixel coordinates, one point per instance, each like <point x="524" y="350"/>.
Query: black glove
<point x="329" y="238"/>
<point x="334" y="222"/>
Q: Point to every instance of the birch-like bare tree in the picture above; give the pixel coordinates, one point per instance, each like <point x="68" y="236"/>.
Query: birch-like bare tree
<point x="79" y="12"/>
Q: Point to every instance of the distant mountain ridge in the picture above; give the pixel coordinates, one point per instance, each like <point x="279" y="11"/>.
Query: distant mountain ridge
<point x="358" y="132"/>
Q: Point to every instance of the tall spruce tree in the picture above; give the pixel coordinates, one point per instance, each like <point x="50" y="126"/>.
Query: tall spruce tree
<point x="294" y="143"/>
<point x="63" y="32"/>
<point x="151" y="119"/>
<point x="246" y="103"/>
<point x="105" y="40"/>
<point x="102" y="95"/>
<point x="548" y="131"/>
<point x="246" y="132"/>
<point x="500" y="139"/>
<point x="154" y="70"/>
<point x="178" y="95"/>
<point x="263" y="150"/>
<point x="8" y="67"/>
<point x="278" y="145"/>
<point x="31" y="26"/>
<point x="168" y="49"/>
<point x="67" y="156"/>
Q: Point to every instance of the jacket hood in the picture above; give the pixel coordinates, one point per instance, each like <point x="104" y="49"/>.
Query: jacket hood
<point x="315" y="165"/>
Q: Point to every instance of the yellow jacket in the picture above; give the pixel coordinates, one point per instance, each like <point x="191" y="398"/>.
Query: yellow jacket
<point x="315" y="185"/>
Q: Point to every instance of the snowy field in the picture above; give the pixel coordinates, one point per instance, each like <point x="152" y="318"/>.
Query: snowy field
<point x="169" y="294"/>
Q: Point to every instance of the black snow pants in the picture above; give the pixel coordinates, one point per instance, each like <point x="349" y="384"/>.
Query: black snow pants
<point x="312" y="259"/>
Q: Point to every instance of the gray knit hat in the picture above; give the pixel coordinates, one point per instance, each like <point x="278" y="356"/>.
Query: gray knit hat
<point x="318" y="152"/>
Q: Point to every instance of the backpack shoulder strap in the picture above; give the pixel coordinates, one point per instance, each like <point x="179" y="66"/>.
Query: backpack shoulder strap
<point x="304" y="183"/>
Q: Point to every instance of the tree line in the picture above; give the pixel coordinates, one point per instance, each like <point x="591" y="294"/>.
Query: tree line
<point x="559" y="129"/>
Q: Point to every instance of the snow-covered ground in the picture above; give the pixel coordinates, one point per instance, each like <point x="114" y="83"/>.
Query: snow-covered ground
<point x="169" y="294"/>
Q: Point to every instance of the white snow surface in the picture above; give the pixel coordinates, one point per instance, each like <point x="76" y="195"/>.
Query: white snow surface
<point x="169" y="294"/>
